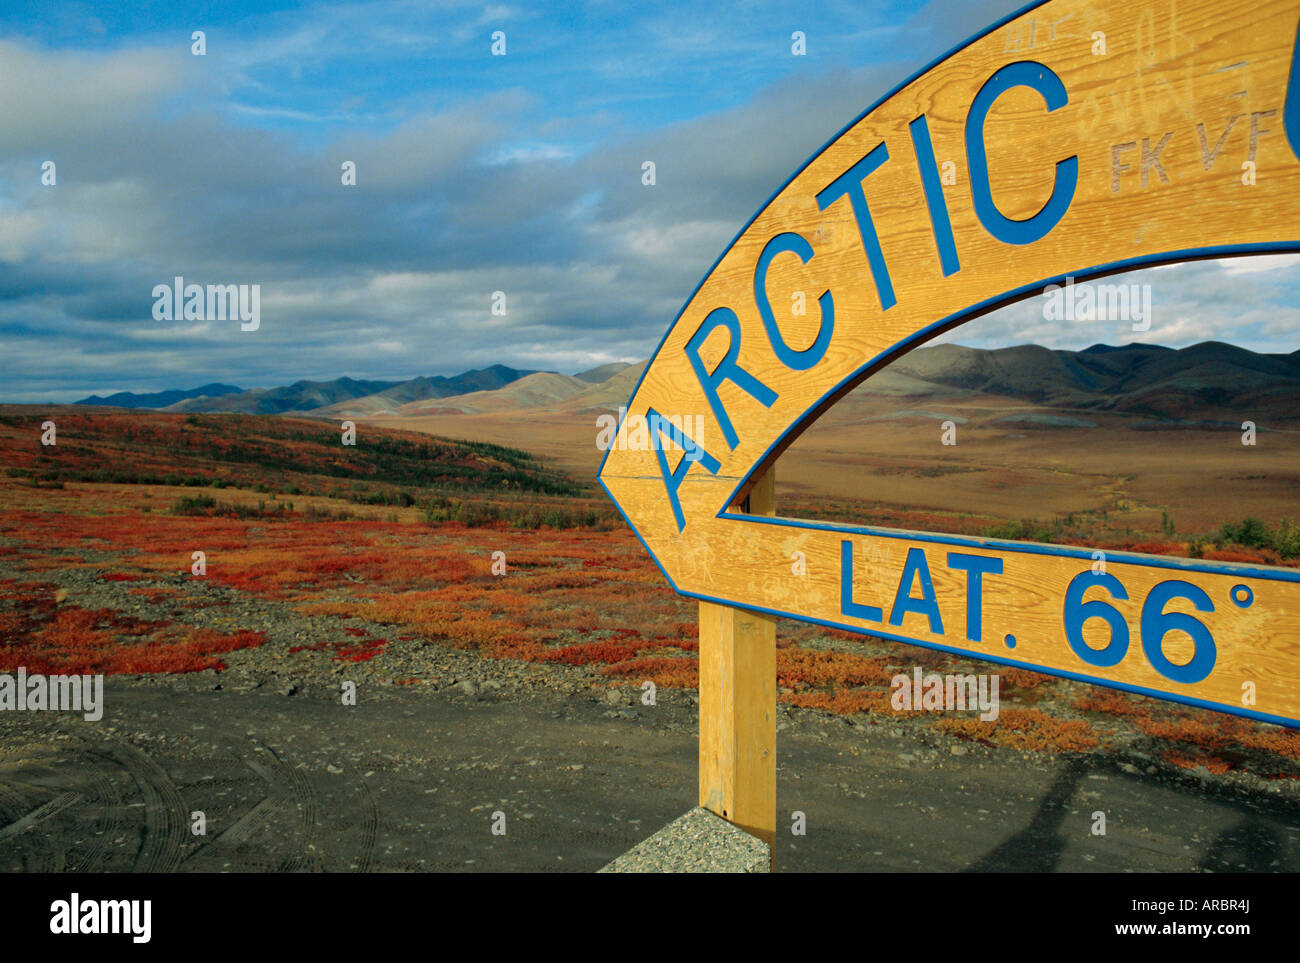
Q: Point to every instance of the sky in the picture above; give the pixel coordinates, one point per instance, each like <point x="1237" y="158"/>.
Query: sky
<point x="474" y="174"/>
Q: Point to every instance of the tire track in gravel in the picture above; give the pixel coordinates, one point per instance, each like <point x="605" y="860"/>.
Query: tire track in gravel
<point x="242" y="829"/>
<point x="45" y="857"/>
<point x="42" y="812"/>
<point x="105" y="793"/>
<point x="160" y="847"/>
<point x="100" y="796"/>
<point x="309" y="858"/>
<point x="279" y="794"/>
<point x="369" y="831"/>
<point x="35" y="858"/>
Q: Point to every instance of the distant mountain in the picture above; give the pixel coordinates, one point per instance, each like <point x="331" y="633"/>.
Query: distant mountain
<point x="484" y="379"/>
<point x="377" y="395"/>
<point x="611" y="394"/>
<point x="160" y="399"/>
<point x="1139" y="379"/>
<point x="1203" y="382"/>
<point x="602" y="374"/>
<point x="299" y="396"/>
<point x="497" y="384"/>
<point x="1208" y="382"/>
<point x="537" y="392"/>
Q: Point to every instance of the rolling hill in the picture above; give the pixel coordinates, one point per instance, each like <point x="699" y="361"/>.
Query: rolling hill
<point x="288" y="455"/>
<point x="160" y="399"/>
<point x="1201" y="382"/>
<point x="532" y="390"/>
<point x="1204" y="382"/>
<point x="609" y="384"/>
<point x="308" y="395"/>
<point x="369" y="396"/>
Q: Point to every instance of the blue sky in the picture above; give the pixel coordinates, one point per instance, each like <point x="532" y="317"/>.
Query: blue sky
<point x="596" y="69"/>
<point x="475" y="174"/>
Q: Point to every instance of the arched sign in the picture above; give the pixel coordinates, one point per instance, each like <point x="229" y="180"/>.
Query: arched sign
<point x="1073" y="139"/>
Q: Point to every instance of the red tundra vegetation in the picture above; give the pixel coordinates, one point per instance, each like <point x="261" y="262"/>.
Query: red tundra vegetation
<point x="382" y="545"/>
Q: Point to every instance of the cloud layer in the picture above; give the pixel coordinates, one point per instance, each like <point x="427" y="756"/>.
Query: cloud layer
<point x="474" y="175"/>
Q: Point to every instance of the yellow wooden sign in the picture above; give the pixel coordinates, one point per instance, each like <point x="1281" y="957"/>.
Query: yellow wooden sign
<point x="1074" y="139"/>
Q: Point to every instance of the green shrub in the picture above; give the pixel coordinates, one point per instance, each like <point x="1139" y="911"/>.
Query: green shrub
<point x="193" y="505"/>
<point x="1025" y="530"/>
<point x="1253" y="533"/>
<point x="1250" y="533"/>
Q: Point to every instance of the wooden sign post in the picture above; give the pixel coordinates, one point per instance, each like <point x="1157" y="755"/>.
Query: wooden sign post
<point x="1073" y="140"/>
<point x="738" y="705"/>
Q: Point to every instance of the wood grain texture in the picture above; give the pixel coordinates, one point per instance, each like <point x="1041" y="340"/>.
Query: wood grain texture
<point x="738" y="706"/>
<point x="1207" y="79"/>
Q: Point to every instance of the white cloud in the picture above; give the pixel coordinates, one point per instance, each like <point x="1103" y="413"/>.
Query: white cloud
<point x="1258" y="264"/>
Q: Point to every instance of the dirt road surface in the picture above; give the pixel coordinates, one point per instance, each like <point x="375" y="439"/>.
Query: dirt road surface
<point x="410" y="779"/>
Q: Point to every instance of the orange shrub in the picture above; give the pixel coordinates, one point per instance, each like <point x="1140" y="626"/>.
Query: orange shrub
<point x="1024" y="729"/>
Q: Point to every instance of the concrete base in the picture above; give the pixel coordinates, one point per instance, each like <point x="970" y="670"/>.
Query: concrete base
<point x="699" y="842"/>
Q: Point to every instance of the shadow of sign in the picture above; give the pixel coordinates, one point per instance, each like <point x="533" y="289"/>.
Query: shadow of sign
<point x="1255" y="841"/>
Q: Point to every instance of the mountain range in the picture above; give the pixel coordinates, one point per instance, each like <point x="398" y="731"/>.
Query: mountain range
<point x="1202" y="381"/>
<point x="159" y="399"/>
<point x="1207" y="380"/>
<point x="302" y="396"/>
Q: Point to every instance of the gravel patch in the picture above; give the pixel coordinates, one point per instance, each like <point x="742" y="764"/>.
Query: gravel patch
<point x="698" y="842"/>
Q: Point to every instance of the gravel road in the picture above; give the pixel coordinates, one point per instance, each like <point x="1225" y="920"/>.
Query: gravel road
<point x="416" y="778"/>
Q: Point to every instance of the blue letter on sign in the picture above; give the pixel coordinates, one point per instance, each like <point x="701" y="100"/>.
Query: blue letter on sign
<point x="850" y="183"/>
<point x="976" y="567"/>
<point x="847" y="606"/>
<point x="659" y="425"/>
<point x="1291" y="112"/>
<point x="727" y="369"/>
<point x="809" y="356"/>
<point x="1040" y="78"/>
<point x="939" y="219"/>
<point x="927" y="605"/>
